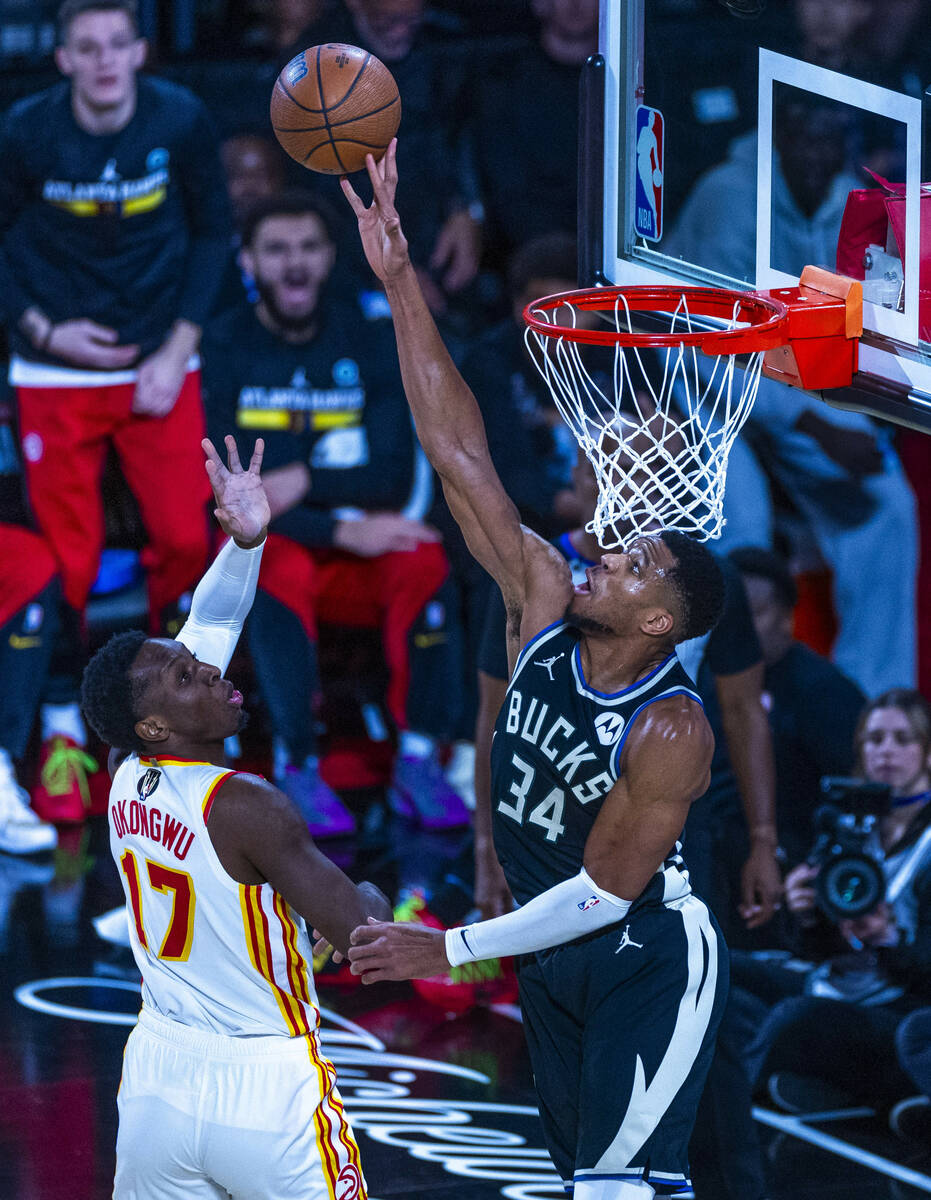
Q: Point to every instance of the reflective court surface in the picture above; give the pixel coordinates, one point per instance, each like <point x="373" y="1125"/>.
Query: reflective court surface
<point x="443" y="1106"/>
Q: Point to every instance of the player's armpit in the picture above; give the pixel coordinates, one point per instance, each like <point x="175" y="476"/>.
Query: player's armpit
<point x="665" y="766"/>
<point x="260" y="836"/>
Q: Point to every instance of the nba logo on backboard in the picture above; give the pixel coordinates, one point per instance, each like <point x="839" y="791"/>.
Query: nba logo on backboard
<point x="648" y="206"/>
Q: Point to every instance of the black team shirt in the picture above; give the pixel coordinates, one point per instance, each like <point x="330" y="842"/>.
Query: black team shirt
<point x="129" y="229"/>
<point x="335" y="403"/>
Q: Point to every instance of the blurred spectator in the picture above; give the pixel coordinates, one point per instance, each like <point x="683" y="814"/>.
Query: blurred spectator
<point x="532" y="448"/>
<point x="29" y="600"/>
<point x="897" y="45"/>
<point x="813" y="708"/>
<point x="830" y="1039"/>
<point x="437" y="186"/>
<point x="838" y="468"/>
<point x="345" y="479"/>
<point x="526" y="115"/>
<point x="279" y="29"/>
<point x="114" y="226"/>
<point x="830" y="33"/>
<point x="255" y="169"/>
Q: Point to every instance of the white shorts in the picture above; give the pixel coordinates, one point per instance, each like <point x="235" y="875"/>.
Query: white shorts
<point x="205" y="1117"/>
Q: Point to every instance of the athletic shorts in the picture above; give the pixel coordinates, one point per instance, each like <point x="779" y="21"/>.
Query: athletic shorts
<point x="206" y="1117"/>
<point x="621" y="1027"/>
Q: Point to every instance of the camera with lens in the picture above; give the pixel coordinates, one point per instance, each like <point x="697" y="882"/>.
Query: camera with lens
<point x="847" y="848"/>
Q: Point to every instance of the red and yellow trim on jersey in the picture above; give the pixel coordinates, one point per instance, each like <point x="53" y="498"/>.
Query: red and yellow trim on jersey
<point x="258" y="943"/>
<point x="336" y="1146"/>
<point x="330" y="1112"/>
<point x="212" y="791"/>
<point x="156" y="760"/>
<point x="339" y="1154"/>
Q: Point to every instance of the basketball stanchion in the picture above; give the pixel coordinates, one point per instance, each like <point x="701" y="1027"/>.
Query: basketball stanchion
<point x="658" y="418"/>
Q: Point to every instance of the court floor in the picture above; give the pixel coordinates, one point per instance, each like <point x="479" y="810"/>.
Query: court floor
<point x="443" y="1107"/>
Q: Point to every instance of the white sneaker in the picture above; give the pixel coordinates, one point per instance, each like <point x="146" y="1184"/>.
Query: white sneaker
<point x="21" y="831"/>
<point x="113" y="926"/>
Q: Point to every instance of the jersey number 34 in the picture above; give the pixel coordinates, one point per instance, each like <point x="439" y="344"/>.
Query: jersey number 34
<point x="547" y="814"/>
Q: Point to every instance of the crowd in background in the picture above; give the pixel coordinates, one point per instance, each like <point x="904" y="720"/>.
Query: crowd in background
<point x="198" y="282"/>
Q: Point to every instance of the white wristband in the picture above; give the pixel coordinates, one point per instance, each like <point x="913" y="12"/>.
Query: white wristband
<point x="571" y="909"/>
<point x="221" y="603"/>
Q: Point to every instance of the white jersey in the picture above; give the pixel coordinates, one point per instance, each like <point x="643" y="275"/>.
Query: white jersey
<point x="214" y="954"/>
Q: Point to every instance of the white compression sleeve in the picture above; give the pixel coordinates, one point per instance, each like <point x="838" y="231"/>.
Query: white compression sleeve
<point x="221" y="603"/>
<point x="569" y="910"/>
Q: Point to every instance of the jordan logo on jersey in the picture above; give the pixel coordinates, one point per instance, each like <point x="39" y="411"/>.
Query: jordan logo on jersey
<point x="549" y="663"/>
<point x="148" y="783"/>
<point x="627" y="940"/>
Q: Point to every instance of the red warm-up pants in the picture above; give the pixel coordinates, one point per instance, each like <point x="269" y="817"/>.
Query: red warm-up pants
<point x="387" y="593"/>
<point x="65" y="433"/>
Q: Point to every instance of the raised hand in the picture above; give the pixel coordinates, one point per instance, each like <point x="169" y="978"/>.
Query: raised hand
<point x="242" y="506"/>
<point x="384" y="244"/>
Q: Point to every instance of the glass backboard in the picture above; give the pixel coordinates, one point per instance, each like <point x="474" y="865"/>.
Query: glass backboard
<point x="736" y="151"/>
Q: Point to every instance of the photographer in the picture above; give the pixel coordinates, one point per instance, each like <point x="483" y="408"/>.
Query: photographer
<point x="830" y="1038"/>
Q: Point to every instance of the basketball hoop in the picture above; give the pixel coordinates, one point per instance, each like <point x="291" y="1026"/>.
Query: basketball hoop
<point x="658" y="417"/>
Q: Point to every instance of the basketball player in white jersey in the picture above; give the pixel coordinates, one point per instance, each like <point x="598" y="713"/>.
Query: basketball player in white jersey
<point x="224" y="1088"/>
<point x="598" y="753"/>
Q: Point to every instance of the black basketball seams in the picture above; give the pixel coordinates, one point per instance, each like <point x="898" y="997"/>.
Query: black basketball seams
<point x="294" y="100"/>
<point x="335" y="124"/>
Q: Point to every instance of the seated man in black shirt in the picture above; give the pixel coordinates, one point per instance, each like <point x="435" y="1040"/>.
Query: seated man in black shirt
<point x="348" y="487"/>
<point x="813" y="707"/>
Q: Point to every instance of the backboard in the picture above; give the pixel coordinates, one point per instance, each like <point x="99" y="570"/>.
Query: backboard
<point x="722" y="150"/>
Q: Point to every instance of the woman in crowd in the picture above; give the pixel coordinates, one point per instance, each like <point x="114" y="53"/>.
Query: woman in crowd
<point x="830" y="1040"/>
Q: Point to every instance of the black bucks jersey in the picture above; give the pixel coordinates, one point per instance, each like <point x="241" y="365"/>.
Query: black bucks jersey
<point x="555" y="756"/>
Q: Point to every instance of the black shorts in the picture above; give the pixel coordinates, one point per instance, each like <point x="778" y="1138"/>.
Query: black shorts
<point x="621" y="1028"/>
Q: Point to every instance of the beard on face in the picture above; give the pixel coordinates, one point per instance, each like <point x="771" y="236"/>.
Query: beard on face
<point x="586" y="624"/>
<point x="288" y="321"/>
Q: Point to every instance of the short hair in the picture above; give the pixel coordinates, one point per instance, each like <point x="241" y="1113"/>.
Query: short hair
<point x="289" y="203"/>
<point x="698" y="582"/>
<point x="549" y="256"/>
<point x="76" y="8"/>
<point x="908" y="701"/>
<point x="759" y="563"/>
<point x="108" y="693"/>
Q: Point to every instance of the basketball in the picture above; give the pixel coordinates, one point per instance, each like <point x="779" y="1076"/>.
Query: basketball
<point x="332" y="105"/>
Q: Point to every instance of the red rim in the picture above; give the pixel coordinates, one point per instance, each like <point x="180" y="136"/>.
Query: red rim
<point x="766" y="318"/>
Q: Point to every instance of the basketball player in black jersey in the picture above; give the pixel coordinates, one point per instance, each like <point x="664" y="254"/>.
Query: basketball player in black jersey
<point x="599" y="750"/>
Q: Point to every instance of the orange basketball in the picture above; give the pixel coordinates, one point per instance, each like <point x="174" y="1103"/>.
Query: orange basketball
<point x="332" y="105"/>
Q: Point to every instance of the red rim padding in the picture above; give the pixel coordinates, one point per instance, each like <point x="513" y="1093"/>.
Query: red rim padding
<point x="766" y="318"/>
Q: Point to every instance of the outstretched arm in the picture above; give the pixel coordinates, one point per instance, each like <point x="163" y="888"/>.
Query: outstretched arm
<point x="666" y="767"/>
<point x="224" y="596"/>
<point x="447" y="417"/>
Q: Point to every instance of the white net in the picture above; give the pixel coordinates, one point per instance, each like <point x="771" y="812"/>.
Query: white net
<point x="657" y="425"/>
